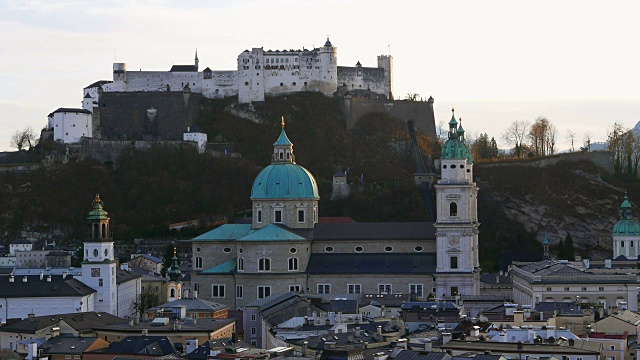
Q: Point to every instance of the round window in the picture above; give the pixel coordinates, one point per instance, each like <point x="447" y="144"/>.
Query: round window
<point x="358" y="249"/>
<point x="468" y="170"/>
<point x="198" y="249"/>
<point x="418" y="248"/>
<point x="227" y="249"/>
<point x="95" y="252"/>
<point x="444" y="166"/>
<point x="461" y="166"/>
<point x="388" y="248"/>
<point x="453" y="166"/>
<point x="328" y="249"/>
<point x="106" y="252"/>
<point x="293" y="250"/>
<point x="240" y="250"/>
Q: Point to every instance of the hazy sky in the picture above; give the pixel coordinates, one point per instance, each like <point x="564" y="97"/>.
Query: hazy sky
<point x="575" y="62"/>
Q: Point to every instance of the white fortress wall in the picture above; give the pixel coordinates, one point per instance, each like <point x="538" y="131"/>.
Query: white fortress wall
<point x="221" y="84"/>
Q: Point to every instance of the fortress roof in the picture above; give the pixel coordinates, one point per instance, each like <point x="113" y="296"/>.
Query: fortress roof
<point x="98" y="83"/>
<point x="70" y="110"/>
<point x="184" y="68"/>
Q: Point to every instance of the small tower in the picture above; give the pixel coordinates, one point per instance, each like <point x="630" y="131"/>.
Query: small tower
<point x="626" y="233"/>
<point x="99" y="266"/>
<point x="283" y="148"/>
<point x="545" y="245"/>
<point x="340" y="188"/>
<point x="174" y="286"/>
<point x="196" y="62"/>
<point x="87" y="103"/>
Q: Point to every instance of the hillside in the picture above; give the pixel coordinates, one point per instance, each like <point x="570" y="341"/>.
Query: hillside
<point x="146" y="191"/>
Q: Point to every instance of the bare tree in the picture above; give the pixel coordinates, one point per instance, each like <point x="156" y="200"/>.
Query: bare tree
<point x="552" y="135"/>
<point x="515" y="135"/>
<point x="413" y="97"/>
<point x="538" y="135"/>
<point x="587" y="142"/>
<point x="23" y="138"/>
<point x="571" y="136"/>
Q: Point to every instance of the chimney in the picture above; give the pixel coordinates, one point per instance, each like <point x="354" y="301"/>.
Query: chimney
<point x="32" y="349"/>
<point x="64" y="275"/>
<point x="145" y="332"/>
<point x="357" y="331"/>
<point x="340" y="317"/>
<point x="446" y="337"/>
<point x="55" y="331"/>
<point x="131" y="322"/>
<point x="41" y="275"/>
<point x="402" y="343"/>
<point x="11" y="279"/>
<point x="305" y="351"/>
<point x="31" y="315"/>
<point x="192" y="345"/>
<point x="427" y="344"/>
<point x="195" y="294"/>
<point x="49" y="278"/>
<point x="24" y="279"/>
<point x="329" y="345"/>
<point x="475" y="331"/>
<point x="234" y="337"/>
<point x="379" y="330"/>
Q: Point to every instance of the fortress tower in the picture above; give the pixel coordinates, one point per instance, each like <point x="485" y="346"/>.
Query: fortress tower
<point x="386" y="62"/>
<point x="458" y="267"/>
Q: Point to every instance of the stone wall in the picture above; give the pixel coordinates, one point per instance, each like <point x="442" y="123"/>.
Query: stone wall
<point x="110" y="150"/>
<point x="147" y="115"/>
<point x="421" y="112"/>
<point x="602" y="159"/>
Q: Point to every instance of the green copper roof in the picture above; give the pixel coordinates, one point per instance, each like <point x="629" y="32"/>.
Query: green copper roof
<point x="227" y="267"/>
<point x="174" y="272"/>
<point x="271" y="232"/>
<point x="98" y="213"/>
<point x="284" y="181"/>
<point x="455" y="148"/>
<point x="626" y="226"/>
<point x="226" y="232"/>
<point x="283" y="139"/>
<point x="453" y="121"/>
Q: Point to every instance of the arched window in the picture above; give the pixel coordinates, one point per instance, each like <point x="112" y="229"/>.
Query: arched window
<point x="240" y="264"/>
<point x="453" y="209"/>
<point x="293" y="264"/>
<point x="173" y="293"/>
<point x="198" y="262"/>
<point x="95" y="231"/>
<point x="622" y="243"/>
<point x="281" y="155"/>
<point x="264" y="264"/>
<point x="104" y="231"/>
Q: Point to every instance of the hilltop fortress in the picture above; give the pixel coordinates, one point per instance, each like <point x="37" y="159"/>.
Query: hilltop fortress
<point x="259" y="74"/>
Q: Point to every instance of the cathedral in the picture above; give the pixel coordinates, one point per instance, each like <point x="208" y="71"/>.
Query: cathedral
<point x="286" y="248"/>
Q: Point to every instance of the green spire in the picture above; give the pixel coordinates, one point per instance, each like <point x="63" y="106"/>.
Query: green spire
<point x="174" y="271"/>
<point x="283" y="139"/>
<point x="98" y="213"/>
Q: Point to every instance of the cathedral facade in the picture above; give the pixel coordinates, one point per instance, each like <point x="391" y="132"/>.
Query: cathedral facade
<point x="286" y="248"/>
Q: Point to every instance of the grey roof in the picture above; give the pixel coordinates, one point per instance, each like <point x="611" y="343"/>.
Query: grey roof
<point x="141" y="345"/>
<point x="342" y="339"/>
<point x="71" y="271"/>
<point x="98" y="83"/>
<point x="271" y="300"/>
<point x="82" y="111"/>
<point x="78" y="321"/>
<point x="184" y="68"/>
<point x="501" y="348"/>
<point x="375" y="231"/>
<point x="496" y="278"/>
<point x="202" y="324"/>
<point x="122" y="276"/>
<point x="372" y="263"/>
<point x="20" y="241"/>
<point x="67" y="344"/>
<point x="34" y="287"/>
<point x="563" y="308"/>
<point x="148" y="257"/>
<point x="193" y="305"/>
<point x="557" y="272"/>
<point x="392" y="300"/>
<point x="202" y="352"/>
<point x="422" y="355"/>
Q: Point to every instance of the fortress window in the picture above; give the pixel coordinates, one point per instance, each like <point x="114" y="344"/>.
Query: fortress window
<point x="281" y="155"/>
<point x="293" y="250"/>
<point x="468" y="170"/>
<point x="246" y="83"/>
<point x="259" y="216"/>
<point x="622" y="243"/>
<point x="95" y="252"/>
<point x="453" y="209"/>
<point x="294" y="83"/>
<point x="277" y="218"/>
<point x="453" y="166"/>
<point x="305" y="83"/>
<point x="240" y="250"/>
<point x="198" y="249"/>
<point x="281" y="84"/>
<point x="631" y="243"/>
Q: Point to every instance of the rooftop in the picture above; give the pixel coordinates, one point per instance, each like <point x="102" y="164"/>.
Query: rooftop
<point x="78" y="321"/>
<point x="16" y="287"/>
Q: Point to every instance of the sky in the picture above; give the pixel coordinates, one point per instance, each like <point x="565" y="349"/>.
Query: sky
<point x="574" y="62"/>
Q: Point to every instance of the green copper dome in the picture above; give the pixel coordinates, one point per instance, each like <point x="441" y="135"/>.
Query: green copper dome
<point x="454" y="147"/>
<point x="174" y="272"/>
<point x="284" y="181"/>
<point x="98" y="213"/>
<point x="626" y="226"/>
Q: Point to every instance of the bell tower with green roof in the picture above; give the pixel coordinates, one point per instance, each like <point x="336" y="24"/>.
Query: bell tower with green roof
<point x="99" y="266"/>
<point x="174" y="285"/>
<point x="458" y="266"/>
<point x="626" y="233"/>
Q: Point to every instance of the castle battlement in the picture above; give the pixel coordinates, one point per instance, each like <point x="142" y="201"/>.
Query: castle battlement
<point x="260" y="73"/>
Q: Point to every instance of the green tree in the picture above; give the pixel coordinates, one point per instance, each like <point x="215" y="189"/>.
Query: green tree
<point x="561" y="250"/>
<point x="569" y="250"/>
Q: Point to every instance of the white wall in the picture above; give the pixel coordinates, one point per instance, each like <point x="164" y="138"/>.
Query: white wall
<point x="69" y="127"/>
<point x="22" y="307"/>
<point x="127" y="294"/>
<point x="200" y="138"/>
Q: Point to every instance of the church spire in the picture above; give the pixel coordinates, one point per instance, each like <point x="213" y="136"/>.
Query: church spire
<point x="283" y="148"/>
<point x="196" y="61"/>
<point x="174" y="271"/>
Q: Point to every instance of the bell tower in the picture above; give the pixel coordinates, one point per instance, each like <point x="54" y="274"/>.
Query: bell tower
<point x="458" y="267"/>
<point x="99" y="266"/>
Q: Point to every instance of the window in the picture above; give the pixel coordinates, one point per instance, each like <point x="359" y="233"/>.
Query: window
<point x="264" y="291"/>
<point x="453" y="209"/>
<point x="388" y="248"/>
<point x="239" y="292"/>
<point x="293" y="264"/>
<point x="548" y="289"/>
<point x="294" y="288"/>
<point x="384" y="288"/>
<point x="253" y="331"/>
<point x="100" y="282"/>
<point x="612" y="347"/>
<point x="198" y="249"/>
<point x="196" y="287"/>
<point x="416" y="289"/>
<point x="67" y="357"/>
<point x="240" y="264"/>
<point x="601" y="288"/>
<point x="566" y="289"/>
<point x="198" y="262"/>
<point x="353" y="288"/>
<point x="622" y="243"/>
<point x="328" y="249"/>
<point x="300" y="216"/>
<point x="227" y="250"/>
<point x="259" y="216"/>
<point x="95" y="252"/>
<point x="631" y="243"/>
<point x="264" y="264"/>
<point x="418" y="248"/>
<point x="358" y="249"/>
<point x="172" y="293"/>
<point x="293" y="250"/>
<point x="584" y="289"/>
<point x="324" y="288"/>
<point x="254" y="343"/>
<point x="454" y="262"/>
<point x="454" y="291"/>
<point x="217" y="291"/>
<point x="277" y="215"/>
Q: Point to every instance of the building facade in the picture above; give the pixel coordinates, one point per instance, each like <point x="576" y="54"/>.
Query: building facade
<point x="285" y="248"/>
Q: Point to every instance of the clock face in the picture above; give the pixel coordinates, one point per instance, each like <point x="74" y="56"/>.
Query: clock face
<point x="453" y="242"/>
<point x="95" y="272"/>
